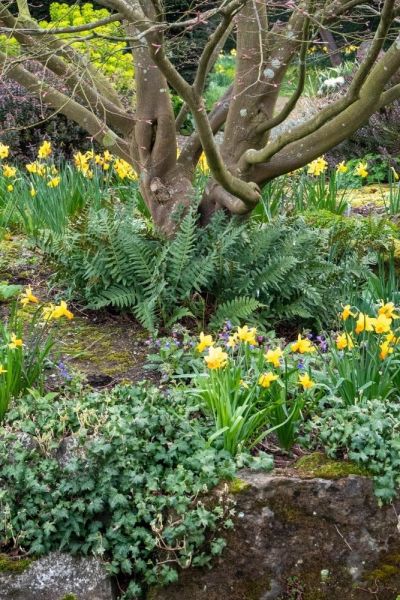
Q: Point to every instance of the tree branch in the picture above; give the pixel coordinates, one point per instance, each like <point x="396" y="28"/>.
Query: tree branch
<point x="252" y="157"/>
<point x="68" y="107"/>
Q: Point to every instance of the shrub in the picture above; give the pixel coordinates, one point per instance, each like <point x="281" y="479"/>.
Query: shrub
<point x="130" y="491"/>
<point x="25" y="122"/>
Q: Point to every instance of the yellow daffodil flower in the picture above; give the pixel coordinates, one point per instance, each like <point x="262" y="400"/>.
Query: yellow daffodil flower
<point x="124" y="170"/>
<point x="266" y="379"/>
<point x="28" y="297"/>
<point x="341" y="167"/>
<point x="247" y="335"/>
<point x="54" y="182"/>
<point x="205" y="342"/>
<point x="4" y="151"/>
<point x="274" y="357"/>
<point x="62" y="311"/>
<point x="347" y="312"/>
<point x="10" y="188"/>
<point x="9" y="171"/>
<point x="343" y="341"/>
<point x="15" y="342"/>
<point x="391" y="338"/>
<point x="382" y="324"/>
<point x="203" y="164"/>
<point x="361" y="169"/>
<point x="52" y="312"/>
<point x="33" y="192"/>
<point x="306" y="381"/>
<point x="388" y="310"/>
<point x="317" y="166"/>
<point x="45" y="150"/>
<point x="385" y="350"/>
<point x="232" y="341"/>
<point x="216" y="358"/>
<point x="303" y="345"/>
<point x="364" y="323"/>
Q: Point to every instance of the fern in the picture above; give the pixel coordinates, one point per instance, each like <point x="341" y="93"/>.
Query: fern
<point x="244" y="270"/>
<point x="236" y="311"/>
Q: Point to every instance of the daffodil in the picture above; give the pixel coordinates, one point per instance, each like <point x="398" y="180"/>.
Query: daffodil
<point x="347" y="312"/>
<point x="382" y="324"/>
<point x="266" y="379"/>
<point x="10" y="188"/>
<point x="54" y="182"/>
<point x="386" y="349"/>
<point x="216" y="358"/>
<point x="4" y="151"/>
<point x="203" y="163"/>
<point x="361" y="169"/>
<point x="45" y="150"/>
<point x="36" y="168"/>
<point x="341" y="167"/>
<point x="2" y="370"/>
<point x="232" y="341"/>
<point x="53" y="312"/>
<point x="205" y="342"/>
<point x="302" y="345"/>
<point x="388" y="310"/>
<point x="9" y="171"/>
<point x="274" y="357"/>
<point x="247" y="334"/>
<point x="391" y="338"/>
<point x="15" y="342"/>
<point x="343" y="341"/>
<point x="317" y="166"/>
<point x="62" y="311"/>
<point x="124" y="170"/>
<point x="28" y="297"/>
<point x="306" y="381"/>
<point x="364" y="323"/>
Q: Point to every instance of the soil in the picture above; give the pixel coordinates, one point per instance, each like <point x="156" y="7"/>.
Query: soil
<point x="106" y="347"/>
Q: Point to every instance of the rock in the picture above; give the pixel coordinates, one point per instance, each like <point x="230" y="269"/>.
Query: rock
<point x="58" y="577"/>
<point x="308" y="538"/>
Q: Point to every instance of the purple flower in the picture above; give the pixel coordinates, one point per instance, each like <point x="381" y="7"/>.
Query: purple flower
<point x="260" y="339"/>
<point x="300" y="364"/>
<point x="63" y="371"/>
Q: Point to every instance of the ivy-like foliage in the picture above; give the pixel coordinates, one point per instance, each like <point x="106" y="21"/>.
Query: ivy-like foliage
<point x="277" y="271"/>
<point x="129" y="488"/>
<point x="369" y="433"/>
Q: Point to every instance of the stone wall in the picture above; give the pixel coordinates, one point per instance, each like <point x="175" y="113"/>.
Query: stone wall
<point x="302" y="538"/>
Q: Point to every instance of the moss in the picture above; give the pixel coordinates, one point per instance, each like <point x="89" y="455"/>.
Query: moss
<point x="319" y="465"/>
<point x="69" y="597"/>
<point x="236" y="486"/>
<point x="388" y="568"/>
<point x="13" y="565"/>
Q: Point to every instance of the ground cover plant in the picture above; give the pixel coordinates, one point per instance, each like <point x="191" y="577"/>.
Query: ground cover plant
<point x="207" y="211"/>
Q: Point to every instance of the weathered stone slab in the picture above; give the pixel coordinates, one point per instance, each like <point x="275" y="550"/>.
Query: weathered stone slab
<point x="58" y="577"/>
<point x="308" y="538"/>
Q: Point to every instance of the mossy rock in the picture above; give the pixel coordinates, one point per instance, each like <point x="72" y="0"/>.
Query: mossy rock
<point x="13" y="565"/>
<point x="237" y="486"/>
<point x="319" y="465"/>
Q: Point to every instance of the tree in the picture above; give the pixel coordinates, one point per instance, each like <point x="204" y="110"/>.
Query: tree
<point x="270" y="36"/>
